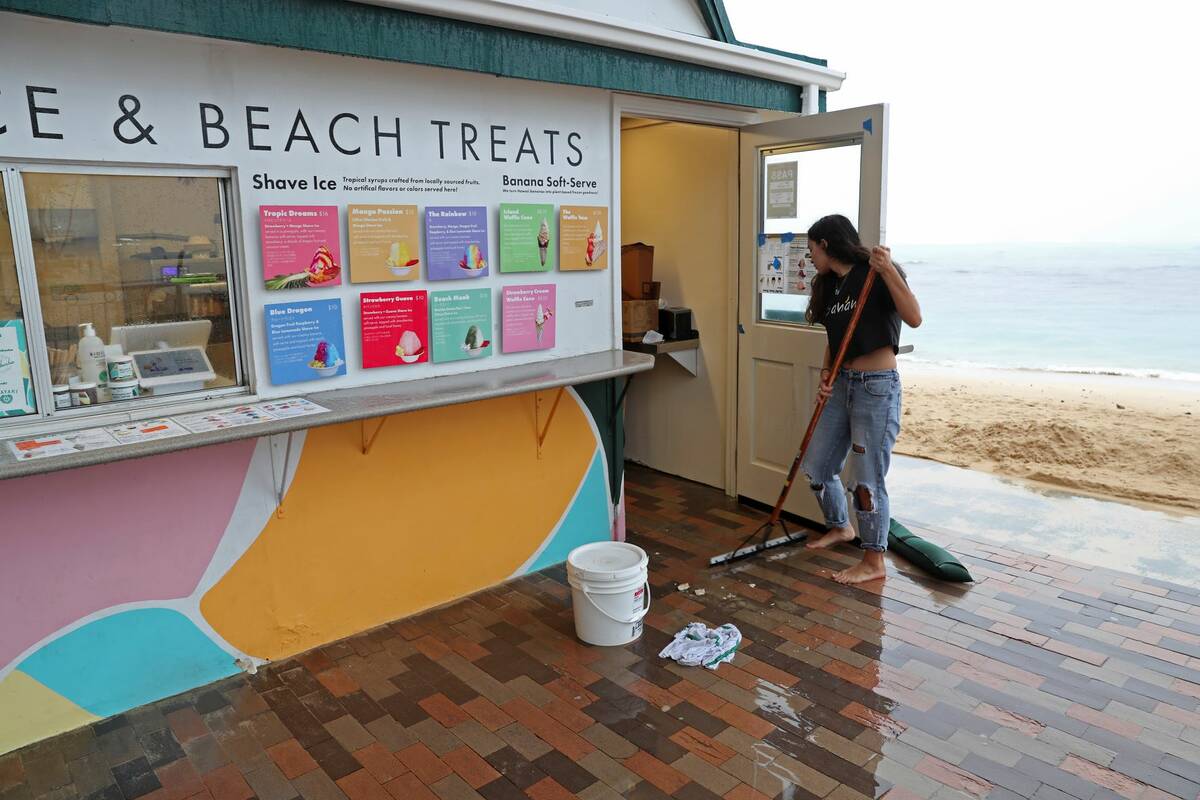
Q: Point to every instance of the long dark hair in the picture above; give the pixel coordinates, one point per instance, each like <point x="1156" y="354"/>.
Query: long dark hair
<point x="840" y="240"/>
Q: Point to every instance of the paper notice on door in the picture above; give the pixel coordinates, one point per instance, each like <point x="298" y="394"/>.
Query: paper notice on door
<point x="781" y="190"/>
<point x="783" y="264"/>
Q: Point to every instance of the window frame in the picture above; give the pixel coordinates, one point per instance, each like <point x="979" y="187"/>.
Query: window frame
<point x="761" y="210"/>
<point x="47" y="418"/>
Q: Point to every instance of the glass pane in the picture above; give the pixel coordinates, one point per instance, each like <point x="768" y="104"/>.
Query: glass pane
<point x="134" y="285"/>
<point x="827" y="182"/>
<point x="16" y="383"/>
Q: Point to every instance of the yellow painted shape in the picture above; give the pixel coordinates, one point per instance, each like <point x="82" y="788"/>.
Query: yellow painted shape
<point x="449" y="501"/>
<point x="29" y="712"/>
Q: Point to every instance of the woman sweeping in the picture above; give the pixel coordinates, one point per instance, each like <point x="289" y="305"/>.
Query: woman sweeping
<point x="862" y="413"/>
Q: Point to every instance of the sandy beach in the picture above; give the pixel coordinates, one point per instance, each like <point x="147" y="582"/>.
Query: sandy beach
<point x="1132" y="439"/>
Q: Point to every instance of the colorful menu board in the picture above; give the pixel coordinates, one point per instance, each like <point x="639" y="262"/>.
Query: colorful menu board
<point x="301" y="246"/>
<point x="527" y="318"/>
<point x="526" y="237"/>
<point x="395" y="328"/>
<point x="385" y="243"/>
<point x="583" y="237"/>
<point x="304" y="341"/>
<point x="456" y="242"/>
<point x="16" y="382"/>
<point x="460" y="324"/>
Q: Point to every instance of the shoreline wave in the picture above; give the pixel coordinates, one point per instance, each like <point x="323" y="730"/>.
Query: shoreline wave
<point x="1158" y="374"/>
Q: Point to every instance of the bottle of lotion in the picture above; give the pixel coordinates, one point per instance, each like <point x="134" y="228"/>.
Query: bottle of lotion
<point x="91" y="358"/>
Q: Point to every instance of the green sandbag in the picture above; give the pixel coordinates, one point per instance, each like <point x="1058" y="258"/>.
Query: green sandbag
<point x="926" y="555"/>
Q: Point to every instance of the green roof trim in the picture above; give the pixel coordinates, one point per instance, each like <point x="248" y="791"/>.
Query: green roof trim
<point x="721" y="29"/>
<point x="367" y="31"/>
<point x="717" y="20"/>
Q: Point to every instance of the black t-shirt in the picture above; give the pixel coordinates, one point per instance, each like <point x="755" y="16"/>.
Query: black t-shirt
<point x="879" y="325"/>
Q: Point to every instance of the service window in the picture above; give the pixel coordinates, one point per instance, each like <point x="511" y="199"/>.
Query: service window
<point x="133" y="284"/>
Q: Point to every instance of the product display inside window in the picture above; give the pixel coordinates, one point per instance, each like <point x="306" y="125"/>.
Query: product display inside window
<point x="16" y="383"/>
<point x="133" y="285"/>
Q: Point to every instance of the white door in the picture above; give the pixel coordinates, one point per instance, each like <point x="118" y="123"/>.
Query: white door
<point x="821" y="164"/>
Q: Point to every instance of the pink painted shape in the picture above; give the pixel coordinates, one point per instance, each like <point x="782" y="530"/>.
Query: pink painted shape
<point x="81" y="540"/>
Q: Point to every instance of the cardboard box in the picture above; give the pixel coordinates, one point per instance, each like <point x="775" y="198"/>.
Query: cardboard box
<point x="637" y="268"/>
<point x="637" y="317"/>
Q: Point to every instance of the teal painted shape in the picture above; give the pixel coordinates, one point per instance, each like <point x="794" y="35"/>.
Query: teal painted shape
<point x="586" y="521"/>
<point x="369" y="31"/>
<point x="127" y="660"/>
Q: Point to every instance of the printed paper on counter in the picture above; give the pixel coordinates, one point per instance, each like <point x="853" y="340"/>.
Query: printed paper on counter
<point x="292" y="407"/>
<point x="224" y="419"/>
<point x="60" y="444"/>
<point x="149" y="430"/>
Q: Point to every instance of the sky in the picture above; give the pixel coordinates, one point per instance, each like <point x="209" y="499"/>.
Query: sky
<point x="1048" y="121"/>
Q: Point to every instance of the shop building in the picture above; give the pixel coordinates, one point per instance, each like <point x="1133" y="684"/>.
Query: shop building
<point x="311" y="312"/>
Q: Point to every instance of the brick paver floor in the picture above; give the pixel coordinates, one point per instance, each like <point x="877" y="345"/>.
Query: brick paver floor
<point x="1045" y="679"/>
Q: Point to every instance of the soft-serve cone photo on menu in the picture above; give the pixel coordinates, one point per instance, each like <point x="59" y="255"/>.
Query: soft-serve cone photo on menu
<point x="527" y="237"/>
<point x="583" y="237"/>
<point x="527" y="319"/>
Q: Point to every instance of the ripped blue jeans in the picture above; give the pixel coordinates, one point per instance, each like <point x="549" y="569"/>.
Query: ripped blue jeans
<point x="861" y="421"/>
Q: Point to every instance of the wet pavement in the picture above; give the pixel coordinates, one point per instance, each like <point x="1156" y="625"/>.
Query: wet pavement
<point x="1105" y="533"/>
<point x="1044" y="679"/>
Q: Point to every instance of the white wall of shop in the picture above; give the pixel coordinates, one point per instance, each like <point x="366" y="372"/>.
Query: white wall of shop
<point x="678" y="193"/>
<point x="674" y="15"/>
<point x="91" y="68"/>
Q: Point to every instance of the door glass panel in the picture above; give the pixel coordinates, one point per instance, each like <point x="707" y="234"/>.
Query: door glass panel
<point x="142" y="259"/>
<point x="827" y="182"/>
<point x="16" y="384"/>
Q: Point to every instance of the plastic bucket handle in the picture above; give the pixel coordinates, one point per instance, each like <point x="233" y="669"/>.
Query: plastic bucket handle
<point x="634" y="618"/>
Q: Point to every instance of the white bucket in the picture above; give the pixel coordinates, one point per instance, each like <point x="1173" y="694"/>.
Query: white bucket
<point x="609" y="591"/>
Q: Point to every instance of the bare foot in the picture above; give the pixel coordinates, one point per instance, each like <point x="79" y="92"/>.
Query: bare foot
<point x="871" y="568"/>
<point x="835" y="536"/>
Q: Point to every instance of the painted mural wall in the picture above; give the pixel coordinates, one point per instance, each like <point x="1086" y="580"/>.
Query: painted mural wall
<point x="126" y="583"/>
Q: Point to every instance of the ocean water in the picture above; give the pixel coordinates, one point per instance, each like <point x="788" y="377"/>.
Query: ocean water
<point x="1112" y="309"/>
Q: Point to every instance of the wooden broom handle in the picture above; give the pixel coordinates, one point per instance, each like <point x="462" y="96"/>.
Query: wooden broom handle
<point x="777" y="511"/>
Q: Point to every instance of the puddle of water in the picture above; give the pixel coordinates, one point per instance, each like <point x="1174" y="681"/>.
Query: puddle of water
<point x="1103" y="533"/>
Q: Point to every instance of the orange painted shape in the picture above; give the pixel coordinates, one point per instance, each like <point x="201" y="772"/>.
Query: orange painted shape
<point x="449" y="500"/>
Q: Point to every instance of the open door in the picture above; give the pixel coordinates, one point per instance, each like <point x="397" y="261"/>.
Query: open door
<point x="837" y="163"/>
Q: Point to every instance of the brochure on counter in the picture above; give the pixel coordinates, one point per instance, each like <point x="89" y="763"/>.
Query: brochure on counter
<point x="61" y="444"/>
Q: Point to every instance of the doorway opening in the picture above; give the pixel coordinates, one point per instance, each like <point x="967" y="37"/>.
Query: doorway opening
<point x="679" y="195"/>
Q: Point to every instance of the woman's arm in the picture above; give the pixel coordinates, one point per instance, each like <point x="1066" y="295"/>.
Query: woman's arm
<point x="825" y="387"/>
<point x="902" y="296"/>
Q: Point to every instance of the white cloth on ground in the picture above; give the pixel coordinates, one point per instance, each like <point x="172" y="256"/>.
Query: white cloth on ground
<point x="698" y="644"/>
